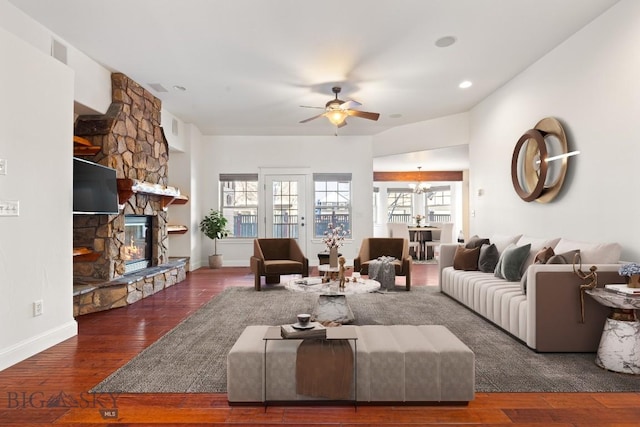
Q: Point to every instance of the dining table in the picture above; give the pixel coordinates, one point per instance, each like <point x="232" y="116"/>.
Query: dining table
<point x="424" y="234"/>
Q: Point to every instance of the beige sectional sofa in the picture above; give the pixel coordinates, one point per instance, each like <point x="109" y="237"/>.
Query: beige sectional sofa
<point x="547" y="316"/>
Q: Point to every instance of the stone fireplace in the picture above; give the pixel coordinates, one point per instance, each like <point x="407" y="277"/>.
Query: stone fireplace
<point x="132" y="142"/>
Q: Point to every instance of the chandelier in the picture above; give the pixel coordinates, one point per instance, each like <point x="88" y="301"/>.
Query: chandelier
<point x="420" y="187"/>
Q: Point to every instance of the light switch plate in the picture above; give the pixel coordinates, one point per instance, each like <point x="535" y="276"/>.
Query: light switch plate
<point x="3" y="166"/>
<point x="9" y="208"/>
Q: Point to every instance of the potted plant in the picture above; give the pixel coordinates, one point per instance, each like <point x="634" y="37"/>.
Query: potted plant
<point x="214" y="226"/>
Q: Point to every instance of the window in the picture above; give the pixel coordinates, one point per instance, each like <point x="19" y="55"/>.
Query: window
<point x="332" y="195"/>
<point x="399" y="205"/>
<point x="239" y="203"/>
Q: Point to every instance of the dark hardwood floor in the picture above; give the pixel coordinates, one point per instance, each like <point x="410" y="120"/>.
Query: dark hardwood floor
<point x="51" y="387"/>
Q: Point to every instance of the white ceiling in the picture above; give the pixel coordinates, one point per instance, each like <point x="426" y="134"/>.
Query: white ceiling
<point x="248" y="65"/>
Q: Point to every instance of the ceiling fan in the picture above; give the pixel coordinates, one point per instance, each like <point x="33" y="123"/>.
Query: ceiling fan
<point x="338" y="110"/>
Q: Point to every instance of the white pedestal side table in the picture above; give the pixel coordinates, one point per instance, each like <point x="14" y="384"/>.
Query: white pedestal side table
<point x="619" y="348"/>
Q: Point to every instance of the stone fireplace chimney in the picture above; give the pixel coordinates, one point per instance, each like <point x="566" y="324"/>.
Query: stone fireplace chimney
<point x="132" y="142"/>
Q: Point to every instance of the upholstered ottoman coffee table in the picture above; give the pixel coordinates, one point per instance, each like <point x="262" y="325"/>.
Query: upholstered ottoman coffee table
<point x="394" y="364"/>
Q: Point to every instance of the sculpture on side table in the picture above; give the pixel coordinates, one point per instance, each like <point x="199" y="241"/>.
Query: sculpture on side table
<point x="592" y="277"/>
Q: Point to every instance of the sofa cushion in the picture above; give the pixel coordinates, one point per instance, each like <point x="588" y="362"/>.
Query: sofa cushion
<point x="511" y="261"/>
<point x="592" y="253"/>
<point x="565" y="258"/>
<point x="502" y="241"/>
<point x="543" y="255"/>
<point x="536" y="244"/>
<point x="488" y="258"/>
<point x="466" y="259"/>
<point x="476" y="242"/>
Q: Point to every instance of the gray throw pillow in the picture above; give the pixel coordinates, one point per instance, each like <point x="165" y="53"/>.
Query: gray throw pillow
<point x="512" y="259"/>
<point x="488" y="258"/>
<point x="563" y="258"/>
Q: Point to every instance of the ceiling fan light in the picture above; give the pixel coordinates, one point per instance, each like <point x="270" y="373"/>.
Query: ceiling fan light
<point x="337" y="117"/>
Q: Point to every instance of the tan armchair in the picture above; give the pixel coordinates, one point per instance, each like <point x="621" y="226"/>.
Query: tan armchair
<point x="273" y="257"/>
<point x="374" y="247"/>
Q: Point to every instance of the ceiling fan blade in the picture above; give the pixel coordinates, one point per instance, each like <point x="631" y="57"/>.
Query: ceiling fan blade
<point x="311" y="118"/>
<point x="308" y="106"/>
<point x="363" y="114"/>
<point x="349" y="104"/>
<point x="343" y="124"/>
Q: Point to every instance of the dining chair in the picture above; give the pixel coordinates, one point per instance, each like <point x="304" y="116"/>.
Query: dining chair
<point x="401" y="231"/>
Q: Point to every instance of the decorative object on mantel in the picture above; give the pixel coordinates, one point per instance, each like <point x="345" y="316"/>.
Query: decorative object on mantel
<point x="632" y="273"/>
<point x="170" y="195"/>
<point x="214" y="226"/>
<point x="539" y="161"/>
<point x="333" y="239"/>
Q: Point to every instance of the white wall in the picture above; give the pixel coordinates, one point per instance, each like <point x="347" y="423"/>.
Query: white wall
<point x="246" y="154"/>
<point x="36" y="131"/>
<point x="92" y="84"/>
<point x="442" y="132"/>
<point x="591" y="84"/>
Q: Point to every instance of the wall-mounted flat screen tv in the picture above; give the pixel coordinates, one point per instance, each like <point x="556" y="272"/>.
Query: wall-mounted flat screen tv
<point x="95" y="188"/>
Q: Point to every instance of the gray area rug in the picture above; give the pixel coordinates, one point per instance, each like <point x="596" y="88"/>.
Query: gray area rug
<point x="191" y="358"/>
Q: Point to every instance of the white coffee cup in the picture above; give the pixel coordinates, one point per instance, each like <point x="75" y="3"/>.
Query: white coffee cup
<point x="303" y="319"/>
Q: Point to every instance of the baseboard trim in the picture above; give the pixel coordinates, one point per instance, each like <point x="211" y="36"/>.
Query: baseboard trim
<point x="34" y="345"/>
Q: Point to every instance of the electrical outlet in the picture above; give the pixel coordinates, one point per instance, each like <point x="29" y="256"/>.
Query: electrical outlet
<point x="38" y="308"/>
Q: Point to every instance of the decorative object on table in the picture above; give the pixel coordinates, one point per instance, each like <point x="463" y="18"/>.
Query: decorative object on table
<point x="295" y="331"/>
<point x="418" y="219"/>
<point x="539" y="161"/>
<point x="341" y="278"/>
<point x="303" y="319"/>
<point x="214" y="226"/>
<point x="592" y="277"/>
<point x="632" y="273"/>
<point x="622" y="289"/>
<point x="334" y="238"/>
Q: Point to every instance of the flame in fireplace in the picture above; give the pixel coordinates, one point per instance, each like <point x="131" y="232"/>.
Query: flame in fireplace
<point x="133" y="251"/>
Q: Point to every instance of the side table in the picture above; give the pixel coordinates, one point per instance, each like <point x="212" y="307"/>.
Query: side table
<point x="618" y="349"/>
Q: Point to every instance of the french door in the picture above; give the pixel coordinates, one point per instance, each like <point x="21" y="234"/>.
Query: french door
<point x="285" y="207"/>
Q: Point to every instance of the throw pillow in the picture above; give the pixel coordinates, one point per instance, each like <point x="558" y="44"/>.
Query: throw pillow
<point x="497" y="272"/>
<point x="564" y="258"/>
<point x="488" y="258"/>
<point x="466" y="259"/>
<point x="476" y="242"/>
<point x="543" y="255"/>
<point x="512" y="260"/>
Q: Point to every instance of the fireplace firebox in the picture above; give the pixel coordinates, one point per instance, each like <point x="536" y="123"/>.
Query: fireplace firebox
<point x="137" y="249"/>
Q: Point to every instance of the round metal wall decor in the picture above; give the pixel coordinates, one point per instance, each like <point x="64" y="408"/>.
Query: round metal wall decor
<point x="533" y="177"/>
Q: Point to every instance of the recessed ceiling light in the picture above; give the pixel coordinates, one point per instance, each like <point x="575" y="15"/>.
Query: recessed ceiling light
<point x="465" y="84"/>
<point x="180" y="88"/>
<point x="445" y="41"/>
